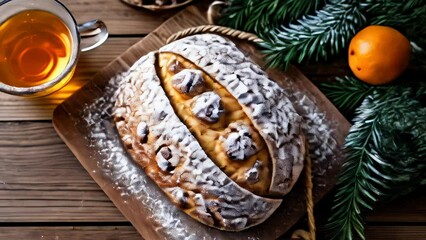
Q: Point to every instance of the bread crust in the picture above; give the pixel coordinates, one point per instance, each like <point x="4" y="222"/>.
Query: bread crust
<point x="169" y="153"/>
<point x="270" y="110"/>
<point x="192" y="181"/>
<point x="229" y="138"/>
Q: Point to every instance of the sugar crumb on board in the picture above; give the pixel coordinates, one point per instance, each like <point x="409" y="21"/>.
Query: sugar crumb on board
<point x="130" y="180"/>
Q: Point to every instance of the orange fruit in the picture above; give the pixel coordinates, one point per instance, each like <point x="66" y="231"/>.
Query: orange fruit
<point x="378" y="54"/>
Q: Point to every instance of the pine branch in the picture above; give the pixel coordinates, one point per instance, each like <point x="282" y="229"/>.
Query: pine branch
<point x="315" y="36"/>
<point x="260" y="17"/>
<point x="263" y="17"/>
<point x="408" y="16"/>
<point x="394" y="12"/>
<point x="385" y="152"/>
<point x="346" y="93"/>
<point x="291" y="37"/>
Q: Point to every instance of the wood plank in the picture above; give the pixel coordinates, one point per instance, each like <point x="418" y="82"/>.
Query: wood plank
<point x="92" y="62"/>
<point x="72" y="232"/>
<point x="41" y="181"/>
<point x="129" y="233"/>
<point x="325" y="71"/>
<point x="14" y="108"/>
<point x="395" y="232"/>
<point x="119" y="17"/>
<point x="410" y="208"/>
<point x="71" y="123"/>
<point x="404" y="210"/>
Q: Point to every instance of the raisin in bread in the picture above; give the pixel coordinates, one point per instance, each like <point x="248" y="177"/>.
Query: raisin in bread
<point x="208" y="126"/>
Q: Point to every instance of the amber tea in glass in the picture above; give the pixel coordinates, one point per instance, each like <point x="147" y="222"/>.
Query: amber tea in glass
<point x="36" y="48"/>
<point x="40" y="43"/>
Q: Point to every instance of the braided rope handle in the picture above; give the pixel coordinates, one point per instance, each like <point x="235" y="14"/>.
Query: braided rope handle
<point x="309" y="197"/>
<point x="230" y="32"/>
<point x="241" y="35"/>
<point x="212" y="28"/>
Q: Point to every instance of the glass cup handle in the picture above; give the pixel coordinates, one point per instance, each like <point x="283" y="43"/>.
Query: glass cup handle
<point x="92" y="34"/>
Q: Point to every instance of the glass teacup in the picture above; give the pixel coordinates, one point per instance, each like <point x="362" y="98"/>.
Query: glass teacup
<point x="40" y="45"/>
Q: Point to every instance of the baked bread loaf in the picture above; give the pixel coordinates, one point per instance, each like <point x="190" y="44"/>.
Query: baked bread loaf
<point x="207" y="125"/>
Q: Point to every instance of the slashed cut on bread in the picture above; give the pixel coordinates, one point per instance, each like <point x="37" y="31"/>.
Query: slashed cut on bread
<point x="207" y="125"/>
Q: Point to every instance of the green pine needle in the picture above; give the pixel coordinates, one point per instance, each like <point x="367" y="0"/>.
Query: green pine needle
<point x="385" y="153"/>
<point x="346" y="93"/>
<point x="395" y="13"/>
<point x="298" y="30"/>
<point x="386" y="147"/>
<point x="314" y="36"/>
<point x="260" y="17"/>
<point x="408" y="16"/>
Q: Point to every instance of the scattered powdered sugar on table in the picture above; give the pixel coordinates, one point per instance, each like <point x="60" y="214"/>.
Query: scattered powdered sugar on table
<point x="131" y="181"/>
<point x="317" y="129"/>
<point x="128" y="178"/>
<point x="318" y="132"/>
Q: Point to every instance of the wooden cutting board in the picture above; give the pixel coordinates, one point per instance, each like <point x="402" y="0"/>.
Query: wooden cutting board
<point x="84" y="123"/>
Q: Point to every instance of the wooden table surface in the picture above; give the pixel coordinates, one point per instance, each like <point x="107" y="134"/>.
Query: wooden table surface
<point x="46" y="194"/>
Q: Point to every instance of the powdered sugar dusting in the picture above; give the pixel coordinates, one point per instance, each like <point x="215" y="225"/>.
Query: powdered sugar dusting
<point x="132" y="183"/>
<point x="318" y="132"/>
<point x="264" y="102"/>
<point x="181" y="167"/>
<point x="127" y="177"/>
